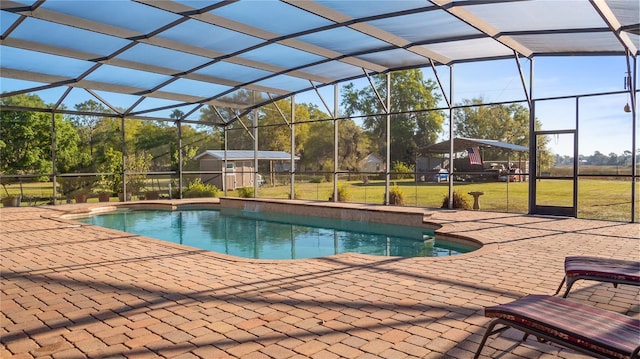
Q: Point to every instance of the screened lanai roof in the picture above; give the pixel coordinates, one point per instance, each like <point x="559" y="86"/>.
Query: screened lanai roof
<point x="242" y="54"/>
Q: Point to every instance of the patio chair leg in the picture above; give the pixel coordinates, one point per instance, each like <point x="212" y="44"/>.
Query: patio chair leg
<point x="560" y="286"/>
<point x="489" y="333"/>
<point x="569" y="285"/>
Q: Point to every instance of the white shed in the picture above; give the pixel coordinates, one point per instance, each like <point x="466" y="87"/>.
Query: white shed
<point x="372" y="163"/>
<point x="239" y="170"/>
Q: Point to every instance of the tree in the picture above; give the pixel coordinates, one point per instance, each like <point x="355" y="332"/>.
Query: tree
<point x="138" y="164"/>
<point x="238" y="138"/>
<point x="25" y="137"/>
<point x="111" y="164"/>
<point x="159" y="140"/>
<point x="598" y="159"/>
<point x="318" y="149"/>
<point x="505" y="123"/>
<point x="627" y="157"/>
<point x="411" y="127"/>
<point x="614" y="160"/>
<point x="314" y="133"/>
<point x="176" y="114"/>
<point x="87" y="123"/>
<point x="273" y="133"/>
<point x="69" y="155"/>
<point x="25" y="144"/>
<point x="195" y="139"/>
<point x="106" y="135"/>
<point x="351" y="143"/>
<point x="25" y="140"/>
<point x="188" y="151"/>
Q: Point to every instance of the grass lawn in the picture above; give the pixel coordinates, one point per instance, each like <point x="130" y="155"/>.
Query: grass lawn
<point x="415" y="194"/>
<point x="598" y="198"/>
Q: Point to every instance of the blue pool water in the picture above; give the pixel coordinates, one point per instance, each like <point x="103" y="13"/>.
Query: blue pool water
<point x="259" y="235"/>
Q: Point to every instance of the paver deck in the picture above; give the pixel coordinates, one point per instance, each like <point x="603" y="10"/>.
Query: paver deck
<point x="71" y="290"/>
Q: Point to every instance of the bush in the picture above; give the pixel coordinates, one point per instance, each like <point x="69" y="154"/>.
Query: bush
<point x="402" y="171"/>
<point x="343" y="194"/>
<point x="198" y="189"/>
<point x="246" y="192"/>
<point x="396" y="196"/>
<point x="327" y="168"/>
<point x="460" y="201"/>
<point x="296" y="195"/>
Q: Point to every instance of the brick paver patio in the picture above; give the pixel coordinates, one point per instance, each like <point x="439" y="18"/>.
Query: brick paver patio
<point x="76" y="291"/>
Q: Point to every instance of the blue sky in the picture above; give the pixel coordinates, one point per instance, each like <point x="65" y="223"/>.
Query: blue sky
<point x="605" y="127"/>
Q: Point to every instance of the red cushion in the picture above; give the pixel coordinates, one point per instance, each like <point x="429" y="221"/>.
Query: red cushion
<point x="598" y="330"/>
<point x="602" y="267"/>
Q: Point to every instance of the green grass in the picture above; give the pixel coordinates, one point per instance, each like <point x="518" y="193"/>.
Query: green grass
<point x="415" y="194"/>
<point x="598" y="198"/>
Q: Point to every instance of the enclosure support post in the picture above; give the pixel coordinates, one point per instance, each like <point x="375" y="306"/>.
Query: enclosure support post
<point x="450" y="204"/>
<point x="223" y="170"/>
<point x="388" y="160"/>
<point x="292" y="128"/>
<point x="53" y="157"/>
<point x="124" y="160"/>
<point x="508" y="176"/>
<point x="179" y="125"/>
<point x="533" y="161"/>
<point x="631" y="82"/>
<point x="386" y="105"/>
<point x="575" y="159"/>
<point x="335" y="143"/>
<point x="532" y="151"/>
<point x="255" y="154"/>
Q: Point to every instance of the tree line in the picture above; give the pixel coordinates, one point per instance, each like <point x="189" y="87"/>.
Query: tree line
<point x="94" y="143"/>
<point x="598" y="159"/>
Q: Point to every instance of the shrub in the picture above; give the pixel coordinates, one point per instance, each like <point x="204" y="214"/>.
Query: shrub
<point x="396" y="196"/>
<point x="316" y="179"/>
<point x="296" y="195"/>
<point x="460" y="201"/>
<point x="343" y="194"/>
<point x="402" y="171"/>
<point x="246" y="192"/>
<point x="327" y="168"/>
<point x="198" y="189"/>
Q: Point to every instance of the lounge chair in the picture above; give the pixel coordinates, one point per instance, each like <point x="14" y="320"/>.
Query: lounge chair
<point x="586" y="329"/>
<point x="614" y="271"/>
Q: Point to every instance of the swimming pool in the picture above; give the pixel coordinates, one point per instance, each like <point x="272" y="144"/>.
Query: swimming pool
<point x="257" y="235"/>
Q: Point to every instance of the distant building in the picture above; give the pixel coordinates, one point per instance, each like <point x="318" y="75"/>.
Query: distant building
<point x="239" y="170"/>
<point x="371" y="163"/>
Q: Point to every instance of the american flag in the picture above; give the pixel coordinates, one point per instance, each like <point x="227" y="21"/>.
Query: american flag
<point x="474" y="155"/>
